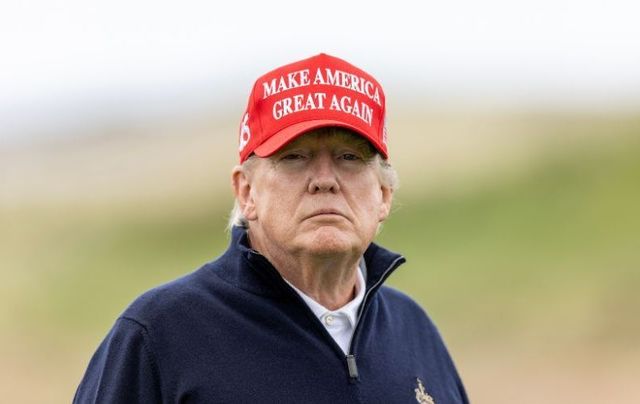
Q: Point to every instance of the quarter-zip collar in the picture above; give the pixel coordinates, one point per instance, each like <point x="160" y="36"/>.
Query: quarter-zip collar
<point x="251" y="271"/>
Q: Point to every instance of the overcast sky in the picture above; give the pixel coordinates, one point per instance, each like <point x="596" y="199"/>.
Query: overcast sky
<point x="63" y="59"/>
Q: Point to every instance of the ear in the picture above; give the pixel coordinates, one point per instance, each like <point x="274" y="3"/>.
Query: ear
<point x="385" y="203"/>
<point x="242" y="190"/>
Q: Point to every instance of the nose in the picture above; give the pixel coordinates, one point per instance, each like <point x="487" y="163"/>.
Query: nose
<point x="323" y="177"/>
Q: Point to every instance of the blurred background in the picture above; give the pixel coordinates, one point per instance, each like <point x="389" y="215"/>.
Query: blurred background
<point x="514" y="126"/>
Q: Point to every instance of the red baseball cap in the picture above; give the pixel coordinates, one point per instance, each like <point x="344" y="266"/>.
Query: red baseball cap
<point x="312" y="93"/>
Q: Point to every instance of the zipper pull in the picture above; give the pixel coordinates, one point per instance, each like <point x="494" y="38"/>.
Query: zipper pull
<point x="353" y="367"/>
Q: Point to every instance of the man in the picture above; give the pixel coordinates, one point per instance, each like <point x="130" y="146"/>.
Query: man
<point x="294" y="311"/>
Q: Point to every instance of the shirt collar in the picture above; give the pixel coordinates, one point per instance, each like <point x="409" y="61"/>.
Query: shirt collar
<point x="350" y="310"/>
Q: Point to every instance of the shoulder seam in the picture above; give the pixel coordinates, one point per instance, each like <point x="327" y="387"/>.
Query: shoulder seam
<point x="133" y="320"/>
<point x="148" y="348"/>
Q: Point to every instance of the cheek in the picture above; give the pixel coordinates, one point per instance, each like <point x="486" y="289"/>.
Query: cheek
<point x="368" y="199"/>
<point x="276" y="201"/>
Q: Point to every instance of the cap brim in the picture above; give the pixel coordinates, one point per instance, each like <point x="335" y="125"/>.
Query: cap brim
<point x="288" y="134"/>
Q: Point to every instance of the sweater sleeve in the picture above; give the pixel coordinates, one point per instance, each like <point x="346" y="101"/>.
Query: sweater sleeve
<point x="123" y="369"/>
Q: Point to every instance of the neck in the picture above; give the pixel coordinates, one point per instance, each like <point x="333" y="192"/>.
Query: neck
<point x="329" y="280"/>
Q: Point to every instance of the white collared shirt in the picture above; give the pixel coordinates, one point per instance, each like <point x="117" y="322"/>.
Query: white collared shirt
<point x="340" y="323"/>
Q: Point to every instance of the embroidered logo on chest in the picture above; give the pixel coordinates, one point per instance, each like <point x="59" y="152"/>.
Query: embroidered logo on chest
<point x="421" y="394"/>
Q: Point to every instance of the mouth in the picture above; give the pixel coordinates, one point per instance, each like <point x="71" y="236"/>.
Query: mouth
<point x="326" y="213"/>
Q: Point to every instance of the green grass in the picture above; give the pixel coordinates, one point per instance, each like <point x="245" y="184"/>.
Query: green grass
<point x="558" y="248"/>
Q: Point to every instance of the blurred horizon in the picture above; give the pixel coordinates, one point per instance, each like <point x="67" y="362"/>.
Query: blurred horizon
<point x="71" y="65"/>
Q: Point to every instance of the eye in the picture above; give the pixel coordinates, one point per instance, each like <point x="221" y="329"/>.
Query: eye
<point x="292" y="156"/>
<point x="350" y="157"/>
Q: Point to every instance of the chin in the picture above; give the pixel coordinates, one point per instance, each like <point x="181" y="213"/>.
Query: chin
<point x="331" y="240"/>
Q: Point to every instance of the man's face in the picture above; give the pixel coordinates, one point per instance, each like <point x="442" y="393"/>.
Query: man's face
<point x="321" y="195"/>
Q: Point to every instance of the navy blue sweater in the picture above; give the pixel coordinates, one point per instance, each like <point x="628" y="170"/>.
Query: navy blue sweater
<point x="235" y="332"/>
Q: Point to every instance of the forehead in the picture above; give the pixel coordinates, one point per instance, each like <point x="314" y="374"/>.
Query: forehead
<point x="331" y="136"/>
